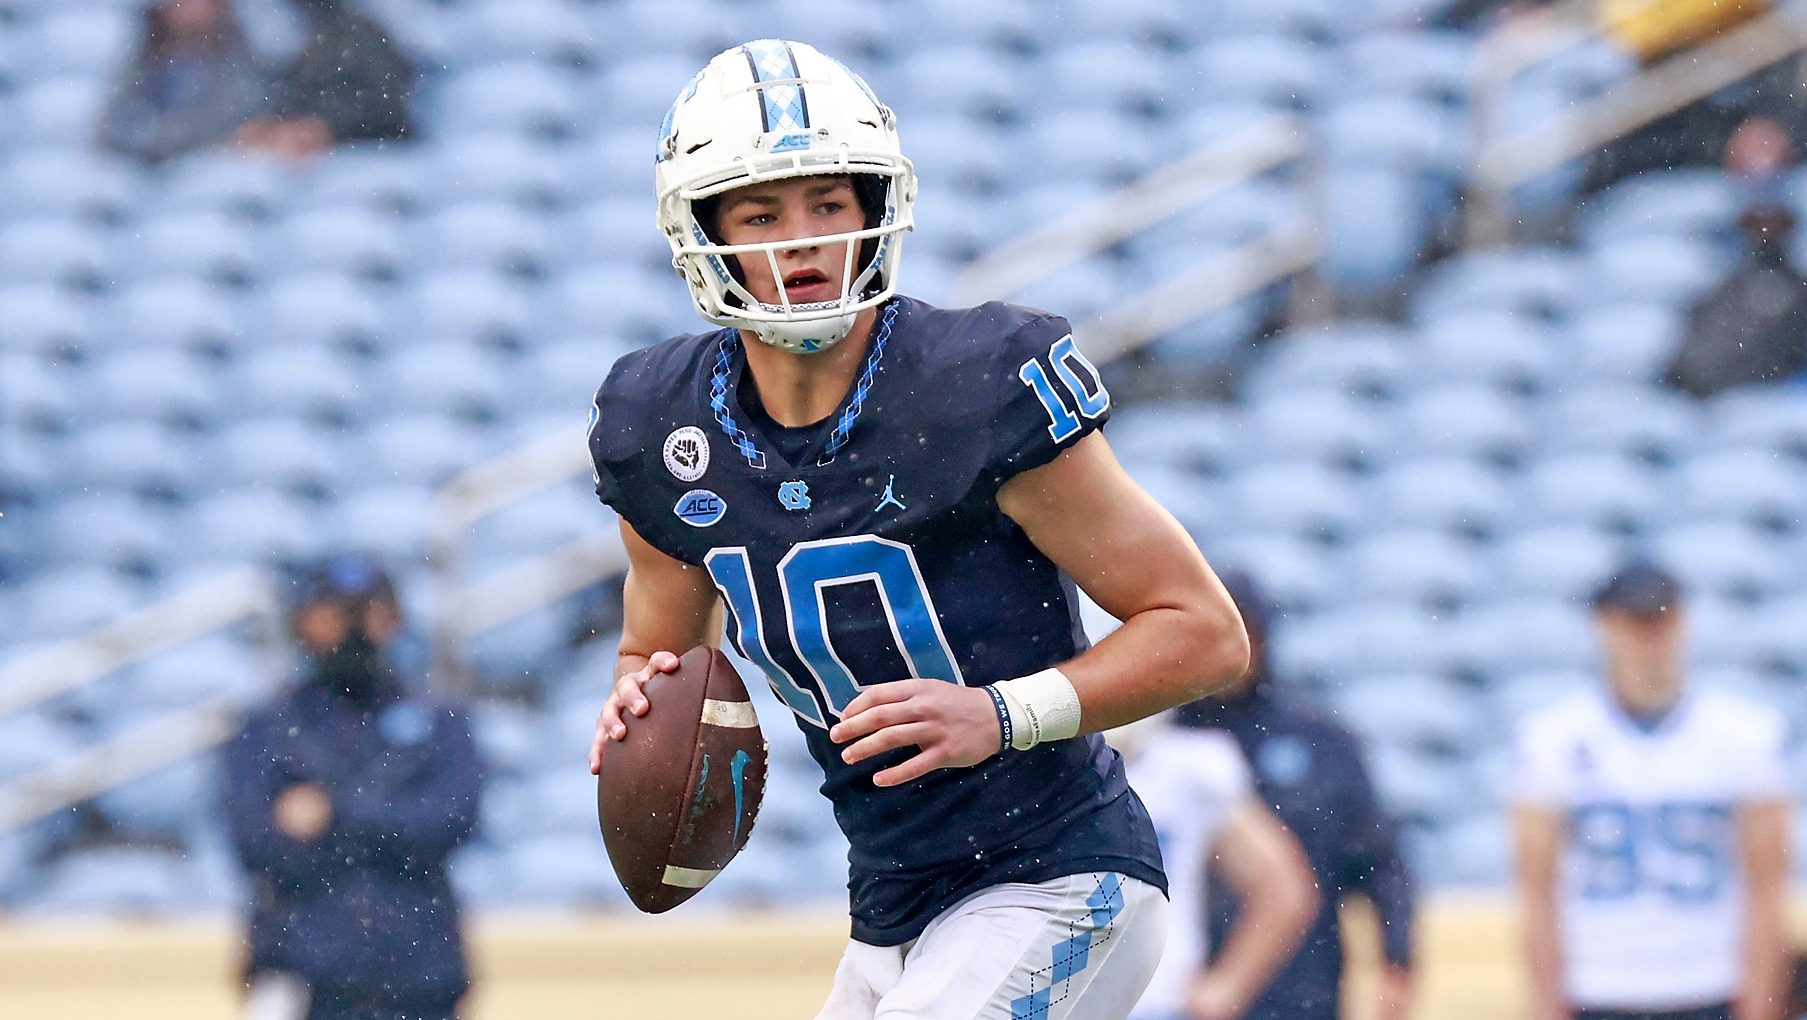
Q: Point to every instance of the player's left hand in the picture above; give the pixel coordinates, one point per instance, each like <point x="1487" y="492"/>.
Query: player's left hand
<point x="1212" y="996"/>
<point x="954" y="725"/>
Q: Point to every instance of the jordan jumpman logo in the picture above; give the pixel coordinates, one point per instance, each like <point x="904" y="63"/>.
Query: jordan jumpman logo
<point x="890" y="498"/>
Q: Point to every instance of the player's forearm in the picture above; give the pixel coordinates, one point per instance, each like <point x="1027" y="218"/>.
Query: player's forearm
<point x="1268" y="928"/>
<point x="1543" y="955"/>
<point x="1161" y="657"/>
<point x="1761" y="989"/>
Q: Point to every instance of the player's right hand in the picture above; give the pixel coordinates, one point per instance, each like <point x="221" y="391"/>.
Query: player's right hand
<point x="628" y="698"/>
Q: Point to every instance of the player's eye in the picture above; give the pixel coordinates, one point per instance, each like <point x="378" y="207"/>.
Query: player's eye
<point x="829" y="208"/>
<point x="759" y="220"/>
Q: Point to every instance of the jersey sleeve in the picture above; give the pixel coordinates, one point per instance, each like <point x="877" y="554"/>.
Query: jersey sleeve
<point x="1765" y="776"/>
<point x="1538" y="767"/>
<point x="1051" y="397"/>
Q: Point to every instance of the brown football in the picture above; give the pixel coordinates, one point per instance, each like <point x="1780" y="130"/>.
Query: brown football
<point x="678" y="795"/>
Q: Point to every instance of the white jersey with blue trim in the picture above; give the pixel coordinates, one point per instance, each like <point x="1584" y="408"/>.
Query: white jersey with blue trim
<point x="1650" y="889"/>
<point x="1193" y="782"/>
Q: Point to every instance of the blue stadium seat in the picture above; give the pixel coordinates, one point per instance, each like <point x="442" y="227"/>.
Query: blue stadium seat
<point x="1303" y="18"/>
<point x="1621" y="342"/>
<point x="1671" y="270"/>
<point x="54" y="250"/>
<point x="1447" y="494"/>
<point x="1078" y="291"/>
<point x="63" y="601"/>
<point x="424" y="449"/>
<point x="1516" y="694"/>
<point x="1773" y="416"/>
<point x="171" y="313"/>
<point x="695" y="29"/>
<point x="1293" y="571"/>
<point x="256" y="525"/>
<point x="1251" y="211"/>
<point x="36" y="392"/>
<point x="1545" y="281"/>
<point x="1600" y="490"/>
<point x="622" y="298"/>
<point x="132" y="454"/>
<point x="1427" y="569"/>
<point x="390" y="518"/>
<point x="277" y="451"/>
<point x="1725" y="558"/>
<point x="106" y="529"/>
<point x="1303" y="498"/>
<point x="1115" y="75"/>
<point x="1185" y="494"/>
<point x="384" y="178"/>
<point x="56" y="111"/>
<point x="1496" y="348"/>
<point x="52" y="180"/>
<point x="562" y="375"/>
<point x="43" y="319"/>
<point x="522" y="96"/>
<point x="955" y="152"/>
<point x="164" y="805"/>
<point x="1429" y="64"/>
<point x="1466" y="421"/>
<point x="961" y="79"/>
<point x="1518" y="633"/>
<point x="207" y="245"/>
<point x="1274" y="70"/>
<point x="463" y="304"/>
<point x="1418" y="788"/>
<point x="1206" y="438"/>
<point x="524" y="30"/>
<point x="1642" y="421"/>
<point x="111" y="880"/>
<point x="1413" y="711"/>
<point x="444" y="377"/>
<point x="1399" y="131"/>
<point x="1003" y="24"/>
<point x="1755" y="486"/>
<point x="162" y="384"/>
<point x="499" y="166"/>
<point x="82" y="44"/>
<point x="640" y="88"/>
<point x="1375" y="227"/>
<point x="312" y="381"/>
<point x="320" y="308"/>
<point x="344" y="239"/>
<point x="246" y="184"/>
<point x="1323" y="425"/>
<point x="1679" y="202"/>
<point x="485" y="234"/>
<point x="1561" y="561"/>
<point x="1047" y="153"/>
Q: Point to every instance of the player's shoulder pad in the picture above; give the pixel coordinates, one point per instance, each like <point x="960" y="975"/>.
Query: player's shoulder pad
<point x="1741" y="718"/>
<point x="639" y="391"/>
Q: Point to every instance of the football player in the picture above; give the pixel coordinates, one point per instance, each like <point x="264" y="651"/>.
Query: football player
<point x="1652" y="833"/>
<point x="1197" y="788"/>
<point x="895" y="502"/>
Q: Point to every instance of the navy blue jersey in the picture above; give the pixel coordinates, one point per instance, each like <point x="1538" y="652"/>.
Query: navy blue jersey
<point x="870" y="548"/>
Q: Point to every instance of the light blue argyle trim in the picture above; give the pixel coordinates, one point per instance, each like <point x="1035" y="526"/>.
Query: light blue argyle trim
<point x="1072" y="955"/>
<point x="784" y="106"/>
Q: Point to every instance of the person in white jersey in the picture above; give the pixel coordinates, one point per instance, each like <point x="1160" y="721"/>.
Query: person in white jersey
<point x="1652" y="827"/>
<point x="1198" y="791"/>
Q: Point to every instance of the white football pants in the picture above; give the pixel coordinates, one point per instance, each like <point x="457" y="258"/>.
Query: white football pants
<point x="1081" y="947"/>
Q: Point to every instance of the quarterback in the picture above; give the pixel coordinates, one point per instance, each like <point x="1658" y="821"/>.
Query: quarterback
<point x="896" y="504"/>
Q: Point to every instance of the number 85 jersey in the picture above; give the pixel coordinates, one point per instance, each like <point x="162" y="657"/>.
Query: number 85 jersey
<point x="870" y="548"/>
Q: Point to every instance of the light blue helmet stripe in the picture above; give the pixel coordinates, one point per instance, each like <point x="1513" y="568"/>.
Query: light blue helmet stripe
<point x="783" y="106"/>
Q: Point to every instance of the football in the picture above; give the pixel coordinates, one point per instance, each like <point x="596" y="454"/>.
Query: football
<point x="678" y="795"/>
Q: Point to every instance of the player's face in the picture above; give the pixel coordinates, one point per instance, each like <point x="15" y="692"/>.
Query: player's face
<point x="792" y="210"/>
<point x="1643" y="656"/>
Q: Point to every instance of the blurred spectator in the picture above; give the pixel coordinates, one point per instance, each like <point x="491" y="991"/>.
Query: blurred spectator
<point x="349" y="83"/>
<point x="345" y="799"/>
<point x="1310" y="771"/>
<point x="1652" y="830"/>
<point x="193" y="82"/>
<point x="1751" y="328"/>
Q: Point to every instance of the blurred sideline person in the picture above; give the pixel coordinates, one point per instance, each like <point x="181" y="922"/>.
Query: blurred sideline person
<point x="349" y="83"/>
<point x="1310" y="772"/>
<point x="1652" y="829"/>
<point x="345" y="799"/>
<point x="194" y="82"/>
<point x="1197" y="790"/>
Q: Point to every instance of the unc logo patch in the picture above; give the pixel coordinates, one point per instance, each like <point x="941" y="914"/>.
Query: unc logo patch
<point x="794" y="495"/>
<point x="700" y="508"/>
<point x="687" y="453"/>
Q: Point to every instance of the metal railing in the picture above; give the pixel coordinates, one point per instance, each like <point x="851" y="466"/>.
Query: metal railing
<point x="1503" y="161"/>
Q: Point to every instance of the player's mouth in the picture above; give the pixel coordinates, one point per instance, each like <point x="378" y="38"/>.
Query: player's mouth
<point x="804" y="286"/>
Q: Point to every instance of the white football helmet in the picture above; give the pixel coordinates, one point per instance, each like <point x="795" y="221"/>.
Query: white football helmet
<point x="766" y="111"/>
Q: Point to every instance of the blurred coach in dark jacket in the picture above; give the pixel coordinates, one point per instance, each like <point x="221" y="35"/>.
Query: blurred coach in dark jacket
<point x="1310" y="771"/>
<point x="345" y="798"/>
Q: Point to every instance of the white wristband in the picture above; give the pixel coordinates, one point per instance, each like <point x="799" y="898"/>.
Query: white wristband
<point x="1043" y="706"/>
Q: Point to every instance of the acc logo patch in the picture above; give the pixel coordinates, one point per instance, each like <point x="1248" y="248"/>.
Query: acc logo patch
<point x="687" y="453"/>
<point x="700" y="508"/>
